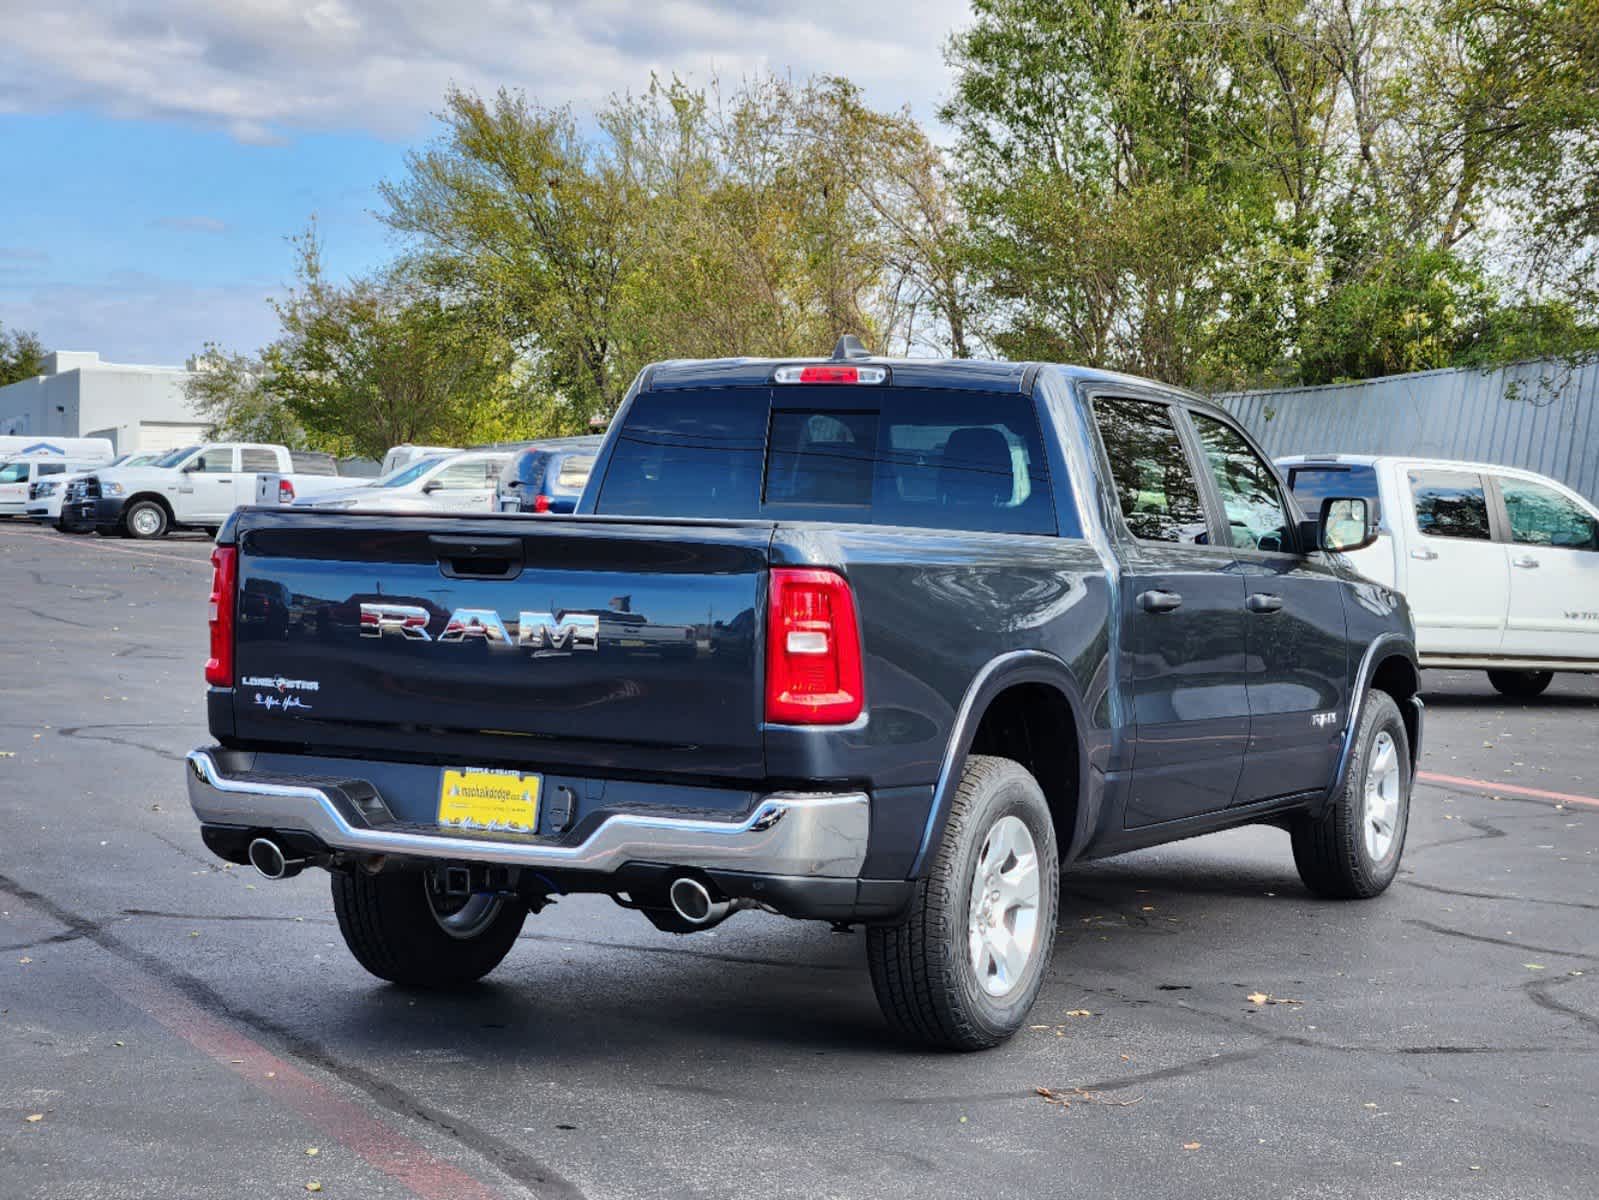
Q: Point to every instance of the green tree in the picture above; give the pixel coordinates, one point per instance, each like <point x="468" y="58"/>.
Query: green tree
<point x="1241" y="191"/>
<point x="21" y="355"/>
<point x="376" y="362"/>
<point x="227" y="390"/>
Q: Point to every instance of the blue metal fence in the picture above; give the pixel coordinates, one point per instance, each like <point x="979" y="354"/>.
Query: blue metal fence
<point x="1542" y="416"/>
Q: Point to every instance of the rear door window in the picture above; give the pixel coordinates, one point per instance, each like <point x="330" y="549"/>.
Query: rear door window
<point x="258" y="461"/>
<point x="1155" y="486"/>
<point x="1451" y="504"/>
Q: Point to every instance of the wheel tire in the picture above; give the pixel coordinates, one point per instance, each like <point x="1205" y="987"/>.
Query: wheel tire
<point x="1520" y="685"/>
<point x="145" y="520"/>
<point x="927" y="983"/>
<point x="1335" y="852"/>
<point x="389" y="924"/>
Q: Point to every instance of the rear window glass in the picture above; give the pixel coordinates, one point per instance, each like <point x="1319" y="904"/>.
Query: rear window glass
<point x="1313" y="484"/>
<point x="689" y="454"/>
<point x="916" y="457"/>
<point x="574" y="472"/>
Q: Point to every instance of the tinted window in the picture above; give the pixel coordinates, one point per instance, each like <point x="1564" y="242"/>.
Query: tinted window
<point x="1154" y="485"/>
<point x="920" y="458"/>
<point x="14" y="472"/>
<point x="258" y="460"/>
<point x="1541" y="516"/>
<point x="900" y="456"/>
<point x="1312" y="485"/>
<point x="50" y="469"/>
<point x="688" y="454"/>
<point x="311" y="462"/>
<point x="822" y="458"/>
<point x="1256" y="516"/>
<point x="1450" y="504"/>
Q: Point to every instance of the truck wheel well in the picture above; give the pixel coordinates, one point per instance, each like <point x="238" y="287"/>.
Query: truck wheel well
<point x="156" y="496"/>
<point x="1032" y="724"/>
<point x="1397" y="676"/>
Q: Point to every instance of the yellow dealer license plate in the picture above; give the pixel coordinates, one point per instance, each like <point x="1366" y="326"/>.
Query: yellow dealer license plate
<point x="492" y="801"/>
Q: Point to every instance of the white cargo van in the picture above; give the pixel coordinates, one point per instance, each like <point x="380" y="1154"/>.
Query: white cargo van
<point x="39" y="459"/>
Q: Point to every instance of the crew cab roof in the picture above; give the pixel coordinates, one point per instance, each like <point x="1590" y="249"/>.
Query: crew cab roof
<point x="971" y="374"/>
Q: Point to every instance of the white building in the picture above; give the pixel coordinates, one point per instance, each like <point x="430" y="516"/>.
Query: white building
<point x="138" y="408"/>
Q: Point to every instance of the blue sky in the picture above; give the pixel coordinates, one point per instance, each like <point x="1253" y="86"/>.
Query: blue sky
<point x="161" y="153"/>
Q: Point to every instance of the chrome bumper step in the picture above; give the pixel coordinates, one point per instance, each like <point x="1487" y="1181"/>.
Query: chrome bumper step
<point x="798" y="834"/>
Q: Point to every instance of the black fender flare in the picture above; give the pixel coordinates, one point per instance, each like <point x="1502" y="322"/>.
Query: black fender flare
<point x="1383" y="646"/>
<point x="1004" y="671"/>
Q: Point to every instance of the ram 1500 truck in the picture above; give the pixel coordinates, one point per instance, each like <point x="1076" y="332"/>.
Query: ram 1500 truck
<point x="868" y="641"/>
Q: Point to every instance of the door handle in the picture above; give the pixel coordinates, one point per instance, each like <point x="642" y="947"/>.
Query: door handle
<point x="1157" y="601"/>
<point x="1263" y="602"/>
<point x="1424" y="554"/>
<point x="1529" y="563"/>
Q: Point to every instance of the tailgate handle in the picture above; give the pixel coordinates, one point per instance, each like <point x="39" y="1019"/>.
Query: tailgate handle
<point x="478" y="558"/>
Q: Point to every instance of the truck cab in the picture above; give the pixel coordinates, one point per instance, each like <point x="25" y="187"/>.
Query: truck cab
<point x="190" y="487"/>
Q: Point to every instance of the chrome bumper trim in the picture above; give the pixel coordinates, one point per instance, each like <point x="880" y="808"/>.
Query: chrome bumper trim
<point x="787" y="834"/>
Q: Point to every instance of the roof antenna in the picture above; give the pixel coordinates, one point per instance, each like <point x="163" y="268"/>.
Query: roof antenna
<point x="849" y="346"/>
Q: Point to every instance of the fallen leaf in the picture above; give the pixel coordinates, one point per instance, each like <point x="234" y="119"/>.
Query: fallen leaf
<point x="1257" y="997"/>
<point x="1191" y="1145"/>
<point x="1078" y="1012"/>
<point x="35" y="1118"/>
<point x="313" y="1186"/>
<point x="312" y="1152"/>
<point x="1533" y="966"/>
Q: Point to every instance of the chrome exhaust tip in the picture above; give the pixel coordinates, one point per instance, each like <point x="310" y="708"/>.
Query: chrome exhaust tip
<point x="692" y="902"/>
<point x="267" y="857"/>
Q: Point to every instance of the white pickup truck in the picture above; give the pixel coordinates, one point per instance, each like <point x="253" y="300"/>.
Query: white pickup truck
<point x="1500" y="566"/>
<point x="192" y="487"/>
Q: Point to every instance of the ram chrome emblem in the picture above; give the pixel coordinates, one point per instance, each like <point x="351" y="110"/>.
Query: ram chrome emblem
<point x="540" y="632"/>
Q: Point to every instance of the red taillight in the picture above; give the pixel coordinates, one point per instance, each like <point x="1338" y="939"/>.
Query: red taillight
<point x="813" y="649"/>
<point x="224" y="588"/>
<point x="541" y="503"/>
<point x="285" y="492"/>
<point x="830" y="373"/>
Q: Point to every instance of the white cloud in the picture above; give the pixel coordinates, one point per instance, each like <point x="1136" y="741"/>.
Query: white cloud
<point x="266" y="69"/>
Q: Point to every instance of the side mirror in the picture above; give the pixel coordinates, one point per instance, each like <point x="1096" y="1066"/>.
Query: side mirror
<point x="431" y="486"/>
<point x="1344" y="524"/>
<point x="194" y="464"/>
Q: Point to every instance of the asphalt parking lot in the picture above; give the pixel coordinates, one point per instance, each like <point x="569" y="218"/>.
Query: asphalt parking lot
<point x="169" y="1026"/>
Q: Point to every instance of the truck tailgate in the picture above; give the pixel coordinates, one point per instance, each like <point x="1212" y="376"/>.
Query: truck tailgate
<point x="580" y="643"/>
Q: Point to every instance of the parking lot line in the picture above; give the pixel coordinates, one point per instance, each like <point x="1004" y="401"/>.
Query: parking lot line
<point x="1489" y="788"/>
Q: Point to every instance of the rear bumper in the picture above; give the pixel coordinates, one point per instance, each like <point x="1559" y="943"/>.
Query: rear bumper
<point x="793" y="835"/>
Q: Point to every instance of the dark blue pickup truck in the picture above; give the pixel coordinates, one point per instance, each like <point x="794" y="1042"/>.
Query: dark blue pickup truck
<point x="861" y="640"/>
